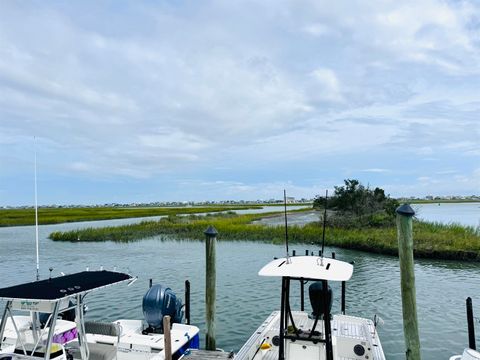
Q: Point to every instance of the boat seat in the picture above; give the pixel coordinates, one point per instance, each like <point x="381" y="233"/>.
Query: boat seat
<point x="102" y="328"/>
<point x="97" y="351"/>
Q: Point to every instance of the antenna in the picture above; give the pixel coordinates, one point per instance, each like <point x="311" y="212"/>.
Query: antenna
<point x="324" y="223"/>
<point x="286" y="223"/>
<point x="36" y="211"/>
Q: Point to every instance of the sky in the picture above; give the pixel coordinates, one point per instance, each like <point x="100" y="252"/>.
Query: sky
<point x="145" y="101"/>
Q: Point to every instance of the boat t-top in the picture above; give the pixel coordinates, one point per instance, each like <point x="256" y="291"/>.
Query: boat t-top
<point x="53" y="324"/>
<point x="299" y="335"/>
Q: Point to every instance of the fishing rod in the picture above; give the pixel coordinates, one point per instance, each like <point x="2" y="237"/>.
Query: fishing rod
<point x="286" y="223"/>
<point x="36" y="212"/>
<point x="324" y="223"/>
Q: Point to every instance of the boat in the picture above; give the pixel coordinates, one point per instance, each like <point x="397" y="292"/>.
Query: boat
<point x="299" y="335"/>
<point x="471" y="352"/>
<point x="40" y="334"/>
<point x="468" y="354"/>
<point x="53" y="325"/>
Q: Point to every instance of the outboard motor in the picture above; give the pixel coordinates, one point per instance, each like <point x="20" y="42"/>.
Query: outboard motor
<point x="158" y="302"/>
<point x="317" y="300"/>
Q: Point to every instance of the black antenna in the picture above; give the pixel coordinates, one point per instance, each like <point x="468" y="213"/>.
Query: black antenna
<point x="324" y="222"/>
<point x="286" y="224"/>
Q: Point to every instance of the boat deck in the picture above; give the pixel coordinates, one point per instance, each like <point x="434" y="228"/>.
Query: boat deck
<point x="347" y="331"/>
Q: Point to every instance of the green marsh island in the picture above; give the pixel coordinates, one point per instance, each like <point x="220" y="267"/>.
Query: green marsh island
<point x="22" y="217"/>
<point x="357" y="218"/>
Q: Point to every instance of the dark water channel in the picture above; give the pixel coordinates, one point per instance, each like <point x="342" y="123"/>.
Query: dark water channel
<point x="245" y="299"/>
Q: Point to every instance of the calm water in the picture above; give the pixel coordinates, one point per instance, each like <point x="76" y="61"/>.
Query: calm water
<point x="245" y="299"/>
<point x="463" y="213"/>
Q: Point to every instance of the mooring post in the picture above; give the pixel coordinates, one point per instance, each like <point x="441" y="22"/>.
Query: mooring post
<point x="407" y="275"/>
<point x="470" y="324"/>
<point x="167" y="338"/>
<point x="210" y="286"/>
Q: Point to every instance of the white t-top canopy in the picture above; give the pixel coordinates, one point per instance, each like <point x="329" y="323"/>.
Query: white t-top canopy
<point x="309" y="267"/>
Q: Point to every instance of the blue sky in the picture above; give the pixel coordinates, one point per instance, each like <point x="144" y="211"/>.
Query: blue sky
<point x="207" y="100"/>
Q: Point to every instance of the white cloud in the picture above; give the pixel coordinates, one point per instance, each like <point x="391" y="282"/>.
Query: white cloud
<point x="329" y="86"/>
<point x="424" y="179"/>
<point x="446" y="172"/>
<point x="168" y="139"/>
<point x="318" y="29"/>
<point x="376" y="170"/>
<point x="468" y="182"/>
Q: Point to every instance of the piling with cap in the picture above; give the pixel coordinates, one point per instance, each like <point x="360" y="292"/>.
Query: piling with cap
<point x="210" y="286"/>
<point x="407" y="274"/>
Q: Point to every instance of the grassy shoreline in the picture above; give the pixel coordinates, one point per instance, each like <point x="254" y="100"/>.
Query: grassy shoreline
<point x="432" y="240"/>
<point x="21" y="217"/>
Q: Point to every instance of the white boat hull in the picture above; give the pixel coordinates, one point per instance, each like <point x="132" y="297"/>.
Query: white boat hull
<point x="130" y="345"/>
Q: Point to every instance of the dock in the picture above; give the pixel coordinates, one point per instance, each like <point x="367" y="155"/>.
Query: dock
<point x="207" y="355"/>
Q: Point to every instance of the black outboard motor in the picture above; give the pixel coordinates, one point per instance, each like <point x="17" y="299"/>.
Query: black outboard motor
<point x="158" y="302"/>
<point x="317" y="300"/>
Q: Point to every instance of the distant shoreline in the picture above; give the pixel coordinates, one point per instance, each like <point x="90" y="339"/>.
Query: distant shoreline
<point x="444" y="201"/>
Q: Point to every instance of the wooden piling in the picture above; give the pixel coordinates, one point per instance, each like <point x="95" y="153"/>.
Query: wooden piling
<point x="210" y="286"/>
<point x="407" y="274"/>
<point x="167" y="338"/>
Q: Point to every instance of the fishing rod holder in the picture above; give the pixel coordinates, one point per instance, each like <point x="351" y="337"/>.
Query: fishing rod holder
<point x="187" y="302"/>
<point x="470" y="324"/>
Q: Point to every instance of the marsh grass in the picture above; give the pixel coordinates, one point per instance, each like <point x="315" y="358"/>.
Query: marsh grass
<point x="18" y="217"/>
<point x="432" y="240"/>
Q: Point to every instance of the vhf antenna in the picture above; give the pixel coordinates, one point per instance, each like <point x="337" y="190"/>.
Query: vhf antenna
<point x="324" y="223"/>
<point x="286" y="223"/>
<point x="36" y="212"/>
